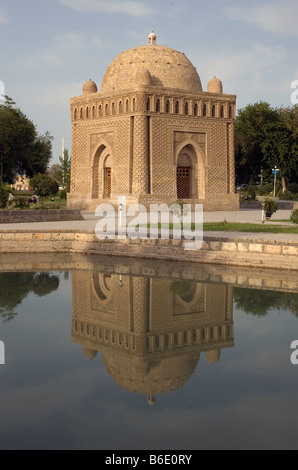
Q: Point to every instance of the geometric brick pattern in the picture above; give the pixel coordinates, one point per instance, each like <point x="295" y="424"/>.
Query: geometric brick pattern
<point x="143" y="123"/>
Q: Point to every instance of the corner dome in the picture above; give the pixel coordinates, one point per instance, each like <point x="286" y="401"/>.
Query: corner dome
<point x="89" y="87"/>
<point x="90" y="353"/>
<point x="213" y="356"/>
<point x="215" y="85"/>
<point x="168" y="68"/>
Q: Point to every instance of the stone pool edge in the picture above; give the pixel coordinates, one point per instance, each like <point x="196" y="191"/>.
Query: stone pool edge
<point x="231" y="251"/>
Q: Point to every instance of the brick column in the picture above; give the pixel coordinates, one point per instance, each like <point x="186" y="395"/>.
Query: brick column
<point x="231" y="156"/>
<point x="140" y="166"/>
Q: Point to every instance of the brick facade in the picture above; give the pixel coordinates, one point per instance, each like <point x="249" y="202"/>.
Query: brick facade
<point x="151" y="117"/>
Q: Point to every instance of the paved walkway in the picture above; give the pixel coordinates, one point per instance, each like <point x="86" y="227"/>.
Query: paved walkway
<point x="244" y="215"/>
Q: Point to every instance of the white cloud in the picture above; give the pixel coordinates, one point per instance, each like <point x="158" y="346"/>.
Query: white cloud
<point x="64" y="48"/>
<point x="113" y="7"/>
<point x="249" y="64"/>
<point x="277" y="18"/>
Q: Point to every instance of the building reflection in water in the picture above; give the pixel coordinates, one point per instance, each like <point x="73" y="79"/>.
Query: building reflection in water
<point x="150" y="332"/>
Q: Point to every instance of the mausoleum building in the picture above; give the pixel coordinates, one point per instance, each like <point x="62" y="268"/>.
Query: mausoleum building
<point x="153" y="135"/>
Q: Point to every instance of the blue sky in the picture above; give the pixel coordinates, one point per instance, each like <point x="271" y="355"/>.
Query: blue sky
<point x="50" y="48"/>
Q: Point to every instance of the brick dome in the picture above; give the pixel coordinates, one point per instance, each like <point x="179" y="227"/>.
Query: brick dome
<point x="89" y="87"/>
<point x="167" y="68"/>
<point x="215" y="85"/>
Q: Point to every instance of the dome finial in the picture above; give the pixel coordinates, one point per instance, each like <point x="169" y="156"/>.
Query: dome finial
<point x="152" y="38"/>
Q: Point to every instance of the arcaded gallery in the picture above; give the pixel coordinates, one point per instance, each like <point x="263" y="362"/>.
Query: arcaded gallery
<point x="152" y="135"/>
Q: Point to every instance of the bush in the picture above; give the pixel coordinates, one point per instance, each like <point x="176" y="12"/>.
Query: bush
<point x="294" y="216"/>
<point x="285" y="196"/>
<point x="20" y="203"/>
<point x="293" y="188"/>
<point x="44" y="186"/>
<point x="265" y="189"/>
<point x="270" y="207"/>
<point x="251" y="192"/>
<point x="3" y="196"/>
<point x="62" y="194"/>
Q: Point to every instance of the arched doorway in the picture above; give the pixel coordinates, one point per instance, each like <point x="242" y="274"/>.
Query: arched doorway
<point x="186" y="173"/>
<point x="102" y="174"/>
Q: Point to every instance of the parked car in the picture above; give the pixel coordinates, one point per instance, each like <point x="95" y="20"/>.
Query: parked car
<point x="242" y="186"/>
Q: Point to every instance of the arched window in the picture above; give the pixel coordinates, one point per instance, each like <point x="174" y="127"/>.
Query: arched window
<point x="230" y="112"/>
<point x="106" y="109"/>
<point x="158" y="106"/>
<point x="113" y="108"/>
<point x="81" y="113"/>
<point x="127" y="106"/>
<point x="87" y="112"/>
<point x="167" y="106"/>
<point x="120" y="107"/>
<point x="195" y="110"/>
<point x="186" y="109"/>
<point x="205" y="110"/>
<point x="177" y="107"/>
<point x="221" y="111"/>
<point x="93" y="111"/>
<point x="148" y="104"/>
<point x="133" y="105"/>
<point x="213" y="111"/>
<point x="75" y="114"/>
<point x="100" y="110"/>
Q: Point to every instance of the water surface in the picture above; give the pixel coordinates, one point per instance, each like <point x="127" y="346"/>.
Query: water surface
<point x="115" y="354"/>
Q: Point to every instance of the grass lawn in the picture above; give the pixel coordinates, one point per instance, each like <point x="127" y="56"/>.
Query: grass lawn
<point x="255" y="228"/>
<point x="238" y="227"/>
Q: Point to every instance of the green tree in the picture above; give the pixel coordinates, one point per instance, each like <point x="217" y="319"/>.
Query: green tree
<point x="15" y="287"/>
<point x="43" y="185"/>
<point x="21" y="149"/>
<point x="41" y="155"/>
<point x="265" y="137"/>
<point x="62" y="171"/>
<point x="260" y="302"/>
<point x="3" y="196"/>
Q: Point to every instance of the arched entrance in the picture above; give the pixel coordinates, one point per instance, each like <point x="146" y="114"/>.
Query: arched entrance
<point x="186" y="173"/>
<point x="190" y="171"/>
<point x="102" y="173"/>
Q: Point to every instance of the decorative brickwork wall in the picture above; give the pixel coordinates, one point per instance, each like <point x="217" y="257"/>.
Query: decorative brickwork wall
<point x="150" y="114"/>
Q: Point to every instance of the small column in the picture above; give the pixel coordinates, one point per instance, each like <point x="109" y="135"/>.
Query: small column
<point x="140" y="177"/>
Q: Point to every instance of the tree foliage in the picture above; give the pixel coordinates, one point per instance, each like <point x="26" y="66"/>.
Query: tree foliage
<point x="61" y="171"/>
<point x="259" y="303"/>
<point x="22" y="150"/>
<point x="15" y="287"/>
<point x="43" y="185"/>
<point x="3" y="196"/>
<point x="265" y="137"/>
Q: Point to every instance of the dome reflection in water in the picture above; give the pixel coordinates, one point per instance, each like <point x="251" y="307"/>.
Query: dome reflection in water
<point x="108" y="353"/>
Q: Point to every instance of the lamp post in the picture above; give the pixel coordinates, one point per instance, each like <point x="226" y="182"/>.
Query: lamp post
<point x="275" y="171"/>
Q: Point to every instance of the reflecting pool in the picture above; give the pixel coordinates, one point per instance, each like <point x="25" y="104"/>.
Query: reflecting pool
<point x="127" y="354"/>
